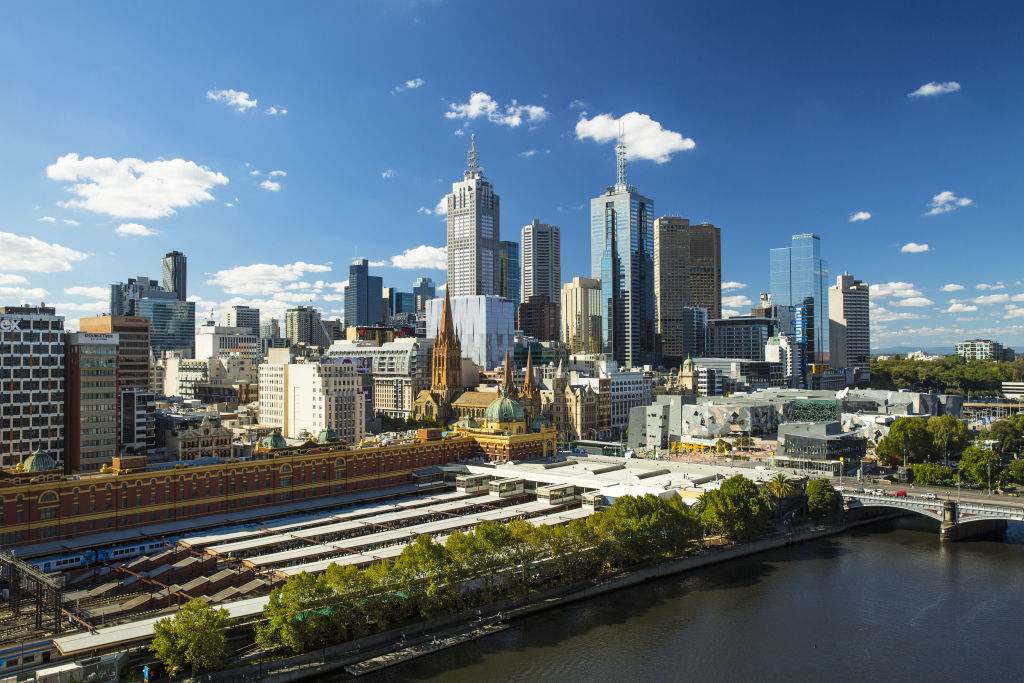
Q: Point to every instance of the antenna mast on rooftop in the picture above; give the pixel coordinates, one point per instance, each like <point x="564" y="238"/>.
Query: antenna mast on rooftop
<point x="620" y="158"/>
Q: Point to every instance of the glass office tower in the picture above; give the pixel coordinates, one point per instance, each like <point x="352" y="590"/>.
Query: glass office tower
<point x="509" y="271"/>
<point x="622" y="256"/>
<point x="799" y="279"/>
<point x="172" y="325"/>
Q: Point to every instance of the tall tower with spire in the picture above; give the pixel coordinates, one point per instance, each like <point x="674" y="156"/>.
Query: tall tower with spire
<point x="446" y="373"/>
<point x="622" y="257"/>
<point x="474" y="232"/>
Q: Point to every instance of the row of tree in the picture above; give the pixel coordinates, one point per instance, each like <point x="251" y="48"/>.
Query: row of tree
<point x="474" y="568"/>
<point x="979" y="466"/>
<point x="950" y="375"/>
<point x="940" y="439"/>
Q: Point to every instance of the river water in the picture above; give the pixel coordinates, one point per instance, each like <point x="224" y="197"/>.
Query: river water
<point x="883" y="602"/>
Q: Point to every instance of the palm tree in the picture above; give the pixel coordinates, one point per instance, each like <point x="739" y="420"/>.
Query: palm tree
<point x="779" y="488"/>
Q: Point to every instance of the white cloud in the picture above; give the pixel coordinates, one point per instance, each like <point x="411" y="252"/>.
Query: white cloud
<point x="254" y="172"/>
<point x="410" y="84"/>
<point x="12" y="279"/>
<point x="577" y="104"/>
<point x="482" y="104"/>
<point x="736" y="300"/>
<point x="933" y="88"/>
<point x="914" y="248"/>
<point x="23" y="294"/>
<point x="233" y="98"/>
<point x="440" y="210"/>
<point x="458" y="131"/>
<point x="47" y="219"/>
<point x="900" y="290"/>
<point x="989" y="299"/>
<point x="422" y="256"/>
<point x="643" y="136"/>
<point x="983" y="285"/>
<point x="961" y="308"/>
<point x="126" y="229"/>
<point x="528" y="153"/>
<point x="83" y="306"/>
<point x="1013" y="311"/>
<point x="390" y="173"/>
<point x="30" y="253"/>
<point x="94" y="292"/>
<point x="946" y="201"/>
<point x="275" y="111"/>
<point x="880" y="314"/>
<point x="132" y="188"/>
<point x="1017" y="297"/>
<point x="860" y="216"/>
<point x="914" y="302"/>
<point x="271" y="186"/>
<point x="730" y="313"/>
<point x="952" y="287"/>
<point x="261" y="279"/>
<point x="276" y="173"/>
<point x="726" y="286"/>
<point x="71" y="222"/>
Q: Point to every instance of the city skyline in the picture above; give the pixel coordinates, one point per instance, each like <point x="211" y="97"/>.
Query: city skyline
<point x="272" y="184"/>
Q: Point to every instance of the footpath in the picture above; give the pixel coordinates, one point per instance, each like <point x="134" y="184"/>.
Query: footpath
<point x="389" y="648"/>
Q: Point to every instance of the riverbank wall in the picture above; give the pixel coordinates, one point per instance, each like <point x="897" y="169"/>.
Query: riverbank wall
<point x="332" y="660"/>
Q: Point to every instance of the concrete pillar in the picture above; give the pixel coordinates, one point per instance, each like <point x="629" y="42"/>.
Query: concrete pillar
<point x="950" y="515"/>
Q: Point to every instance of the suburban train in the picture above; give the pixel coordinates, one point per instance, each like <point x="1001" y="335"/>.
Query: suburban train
<point x="87" y="558"/>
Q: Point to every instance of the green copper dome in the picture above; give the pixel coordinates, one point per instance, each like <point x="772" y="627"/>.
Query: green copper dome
<point x="688" y="363"/>
<point x="274" y="440"/>
<point x="541" y="422"/>
<point x="504" y="409"/>
<point x="328" y="435"/>
<point x="39" y="462"/>
<point x="467" y="423"/>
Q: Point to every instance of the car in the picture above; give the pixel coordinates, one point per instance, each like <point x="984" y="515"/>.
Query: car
<point x="901" y="494"/>
<point x="929" y="496"/>
<point x="879" y="492"/>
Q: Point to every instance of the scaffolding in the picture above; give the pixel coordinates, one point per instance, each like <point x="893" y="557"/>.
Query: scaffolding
<point x="34" y="594"/>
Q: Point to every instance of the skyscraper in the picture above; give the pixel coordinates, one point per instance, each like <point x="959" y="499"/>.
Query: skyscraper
<point x="509" y="271"/>
<point x="363" y="297"/>
<point x="242" y="316"/>
<point x="474" y="233"/>
<point x="90" y="409"/>
<point x="581" y="315"/>
<point x="849" y="323"/>
<point x="622" y="257"/>
<point x="542" y="261"/>
<point x="687" y="273"/>
<point x="302" y="325"/>
<point x="423" y="290"/>
<point x="133" y="350"/>
<point x="798" y="280"/>
<point x="174" y="270"/>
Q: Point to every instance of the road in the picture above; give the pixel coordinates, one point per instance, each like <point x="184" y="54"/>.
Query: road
<point x="943" y="492"/>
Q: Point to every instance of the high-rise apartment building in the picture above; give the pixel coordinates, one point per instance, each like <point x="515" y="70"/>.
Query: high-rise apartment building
<point x="313" y="397"/>
<point x="581" y="315"/>
<point x="423" y="289"/>
<point x="90" y="411"/>
<point x="799" y="280"/>
<point x="174" y="272"/>
<point x="542" y="261"/>
<point x="218" y="341"/>
<point x="538" y="318"/>
<point x="242" y="316"/>
<point x="31" y="383"/>
<point x="474" y="233"/>
<point x="509" y="271"/>
<point x="137" y="419"/>
<point x="363" y="296"/>
<point x="739" y="337"/>
<point x="687" y="273"/>
<point x="302" y="325"/>
<point x="849" y="323"/>
<point x="622" y="257"/>
<point x="133" y="355"/>
<point x="401" y="369"/>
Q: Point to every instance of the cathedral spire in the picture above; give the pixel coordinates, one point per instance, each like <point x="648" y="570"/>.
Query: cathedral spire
<point x="529" y="387"/>
<point x="508" y="385"/>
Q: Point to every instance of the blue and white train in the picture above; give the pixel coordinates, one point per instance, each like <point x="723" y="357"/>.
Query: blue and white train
<point x="87" y="558"/>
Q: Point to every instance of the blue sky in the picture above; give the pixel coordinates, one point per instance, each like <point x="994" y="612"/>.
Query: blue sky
<point x="274" y="142"/>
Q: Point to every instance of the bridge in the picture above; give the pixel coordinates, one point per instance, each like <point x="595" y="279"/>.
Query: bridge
<point x="958" y="518"/>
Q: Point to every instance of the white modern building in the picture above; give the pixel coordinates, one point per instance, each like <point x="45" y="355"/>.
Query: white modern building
<point x="541" y="261"/>
<point x="581" y="315"/>
<point x="474" y="233"/>
<point x="485" y="326"/>
<point x="849" y="321"/>
<point x="242" y="316"/>
<point x="183" y="375"/>
<point x="216" y="341"/>
<point x="32" y="381"/>
<point x="785" y="350"/>
<point x="306" y="398"/>
<point x="401" y="369"/>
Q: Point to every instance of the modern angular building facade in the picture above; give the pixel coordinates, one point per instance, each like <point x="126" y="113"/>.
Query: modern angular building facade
<point x="364" y="303"/>
<point x="474" y="233"/>
<point x="622" y="257"/>
<point x="510" y="285"/>
<point x="485" y="326"/>
<point x="174" y="274"/>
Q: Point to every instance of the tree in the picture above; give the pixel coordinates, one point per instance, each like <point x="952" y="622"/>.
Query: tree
<point x="1006" y="435"/>
<point x="929" y="473"/>
<point x="908" y="438"/>
<point x="300" y="614"/>
<point x="1015" y="472"/>
<point x="979" y="464"/>
<point x="736" y="510"/>
<point x="948" y="434"/>
<point x="778" y="487"/>
<point x="822" y="498"/>
<point x="193" y="637"/>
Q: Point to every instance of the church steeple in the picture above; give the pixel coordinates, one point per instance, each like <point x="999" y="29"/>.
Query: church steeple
<point x="446" y="374"/>
<point x="529" y="385"/>
<point x="508" y="384"/>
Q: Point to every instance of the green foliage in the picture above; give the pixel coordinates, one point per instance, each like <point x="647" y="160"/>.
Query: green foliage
<point x="977" y="464"/>
<point x="736" y="510"/>
<point x="951" y="375"/>
<point x="931" y="474"/>
<point x="1015" y="472"/>
<point x="908" y="440"/>
<point x="779" y="487"/>
<point x="1007" y="434"/>
<point x="822" y="498"/>
<point x="949" y="435"/>
<point x="471" y="568"/>
<point x="193" y="638"/>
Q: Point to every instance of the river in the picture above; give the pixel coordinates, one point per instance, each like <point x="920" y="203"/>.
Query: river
<point x="883" y="602"/>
